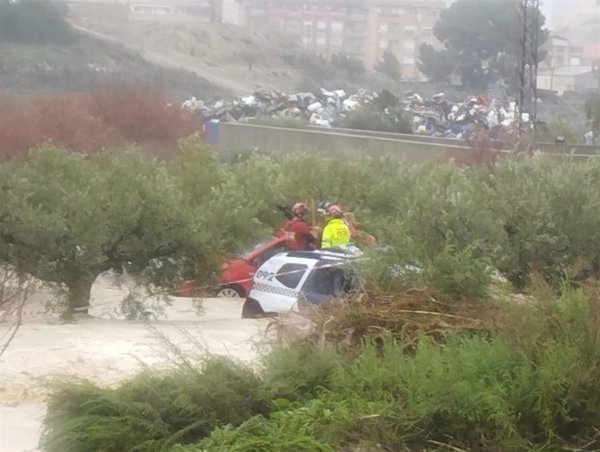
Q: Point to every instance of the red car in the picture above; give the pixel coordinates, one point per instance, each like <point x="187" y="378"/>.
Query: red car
<point x="235" y="279"/>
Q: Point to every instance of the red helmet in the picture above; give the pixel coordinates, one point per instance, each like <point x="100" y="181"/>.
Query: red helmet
<point x="335" y="210"/>
<point x="299" y="208"/>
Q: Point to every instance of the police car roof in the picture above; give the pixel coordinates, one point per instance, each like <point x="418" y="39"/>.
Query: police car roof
<point x="316" y="255"/>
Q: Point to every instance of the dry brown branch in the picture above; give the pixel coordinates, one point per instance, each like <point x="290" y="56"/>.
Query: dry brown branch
<point x="14" y="291"/>
<point x="458" y="317"/>
<point x="405" y="316"/>
<point x="438" y="443"/>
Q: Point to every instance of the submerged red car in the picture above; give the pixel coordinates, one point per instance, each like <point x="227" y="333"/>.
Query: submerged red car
<point x="235" y="279"/>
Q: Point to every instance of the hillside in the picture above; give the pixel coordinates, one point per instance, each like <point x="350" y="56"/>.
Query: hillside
<point x="239" y="58"/>
<point x="86" y="60"/>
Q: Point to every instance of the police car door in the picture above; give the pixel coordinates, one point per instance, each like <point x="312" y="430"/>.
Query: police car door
<point x="277" y="288"/>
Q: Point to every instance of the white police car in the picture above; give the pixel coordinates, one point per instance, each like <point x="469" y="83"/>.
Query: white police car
<point x="289" y="280"/>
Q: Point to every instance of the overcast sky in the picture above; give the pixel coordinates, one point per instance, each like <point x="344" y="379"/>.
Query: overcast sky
<point x="562" y="8"/>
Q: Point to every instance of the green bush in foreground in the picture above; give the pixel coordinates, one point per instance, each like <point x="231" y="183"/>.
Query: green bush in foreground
<point x="153" y="412"/>
<point x="532" y="388"/>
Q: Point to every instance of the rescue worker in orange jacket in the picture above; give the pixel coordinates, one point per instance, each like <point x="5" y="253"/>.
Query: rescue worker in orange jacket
<point x="360" y="238"/>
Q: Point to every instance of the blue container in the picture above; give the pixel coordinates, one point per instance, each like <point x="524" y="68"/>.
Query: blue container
<point x="211" y="131"/>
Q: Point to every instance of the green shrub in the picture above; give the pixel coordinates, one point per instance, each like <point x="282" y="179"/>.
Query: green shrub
<point x="550" y="213"/>
<point x="560" y="127"/>
<point x="153" y="412"/>
<point x="458" y="273"/>
<point x="286" y="431"/>
<point x="298" y="372"/>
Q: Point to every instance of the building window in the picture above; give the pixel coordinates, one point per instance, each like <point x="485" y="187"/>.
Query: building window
<point x="383" y="28"/>
<point x="321" y="26"/>
<point x="409" y="32"/>
<point x="335" y="35"/>
<point x="336" y="27"/>
<point x="394" y="28"/>
<point x="294" y="26"/>
<point x="427" y="32"/>
<point x="383" y="44"/>
<point x="400" y="11"/>
<point x="409" y="45"/>
<point x="408" y="60"/>
<point x="335" y="42"/>
<point x="393" y="45"/>
<point x="307" y="37"/>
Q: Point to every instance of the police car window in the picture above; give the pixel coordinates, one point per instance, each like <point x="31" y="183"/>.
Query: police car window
<point x="322" y="281"/>
<point x="290" y="274"/>
<point x="328" y="281"/>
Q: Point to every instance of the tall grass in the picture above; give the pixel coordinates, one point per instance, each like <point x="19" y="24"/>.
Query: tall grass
<point x="153" y="412"/>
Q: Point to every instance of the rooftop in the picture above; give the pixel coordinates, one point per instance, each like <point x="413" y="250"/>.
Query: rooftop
<point x="567" y="71"/>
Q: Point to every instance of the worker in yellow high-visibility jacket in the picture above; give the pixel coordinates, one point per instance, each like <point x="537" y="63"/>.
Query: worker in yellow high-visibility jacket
<point x="336" y="231"/>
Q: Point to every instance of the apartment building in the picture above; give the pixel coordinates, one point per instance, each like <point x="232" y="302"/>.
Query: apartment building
<point x="364" y="29"/>
<point x="560" y="52"/>
<point x="325" y="27"/>
<point x="402" y="26"/>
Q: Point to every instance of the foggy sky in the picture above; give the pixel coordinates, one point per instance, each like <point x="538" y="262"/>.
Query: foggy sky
<point x="563" y="9"/>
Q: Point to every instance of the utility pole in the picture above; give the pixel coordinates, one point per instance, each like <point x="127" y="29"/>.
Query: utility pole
<point x="534" y="64"/>
<point x="529" y="15"/>
<point x="524" y="6"/>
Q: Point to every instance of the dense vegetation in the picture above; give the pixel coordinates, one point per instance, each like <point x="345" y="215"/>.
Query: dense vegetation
<point x="507" y="376"/>
<point x="528" y="385"/>
<point x="59" y="221"/>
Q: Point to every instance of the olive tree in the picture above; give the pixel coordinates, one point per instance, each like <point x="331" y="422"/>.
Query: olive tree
<point x="65" y="218"/>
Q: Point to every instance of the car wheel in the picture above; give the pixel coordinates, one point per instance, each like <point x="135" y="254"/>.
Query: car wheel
<point x="230" y="292"/>
<point x="251" y="309"/>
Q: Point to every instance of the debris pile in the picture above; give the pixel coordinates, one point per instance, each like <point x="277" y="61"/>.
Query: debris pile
<point x="438" y="116"/>
<point x="441" y="118"/>
<point x="319" y="109"/>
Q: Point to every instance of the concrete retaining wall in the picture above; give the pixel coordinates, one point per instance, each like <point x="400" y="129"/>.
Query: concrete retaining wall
<point x="548" y="147"/>
<point x="404" y="136"/>
<point x="234" y="138"/>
